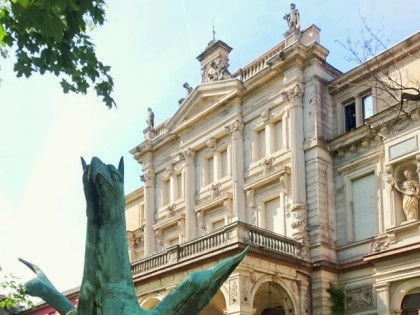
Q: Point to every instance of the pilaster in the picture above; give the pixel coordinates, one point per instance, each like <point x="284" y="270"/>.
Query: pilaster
<point x="235" y="129"/>
<point x="239" y="302"/>
<point x="299" y="209"/>
<point x="383" y="298"/>
<point x="149" y="204"/>
<point x="189" y="184"/>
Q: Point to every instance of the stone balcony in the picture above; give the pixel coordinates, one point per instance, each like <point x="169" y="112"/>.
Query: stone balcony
<point x="236" y="233"/>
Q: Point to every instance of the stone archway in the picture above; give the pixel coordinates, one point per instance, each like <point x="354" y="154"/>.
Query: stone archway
<point x="411" y="303"/>
<point x="150" y="302"/>
<point x="271" y="298"/>
<point x="402" y="293"/>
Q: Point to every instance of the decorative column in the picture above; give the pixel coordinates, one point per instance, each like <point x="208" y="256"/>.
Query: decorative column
<point x="299" y="208"/>
<point x="235" y="129"/>
<point x="149" y="204"/>
<point x="189" y="186"/>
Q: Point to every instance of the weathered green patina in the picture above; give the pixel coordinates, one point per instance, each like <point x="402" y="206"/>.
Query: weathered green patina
<point x="107" y="287"/>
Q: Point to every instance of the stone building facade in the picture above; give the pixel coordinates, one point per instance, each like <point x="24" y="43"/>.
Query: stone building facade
<point x="311" y="167"/>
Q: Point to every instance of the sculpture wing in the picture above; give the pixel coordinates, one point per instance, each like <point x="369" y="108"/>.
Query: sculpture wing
<point x="193" y="294"/>
<point x="42" y="287"/>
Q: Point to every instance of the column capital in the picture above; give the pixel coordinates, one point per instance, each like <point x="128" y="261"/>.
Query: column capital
<point x="235" y="129"/>
<point x="187" y="155"/>
<point x="295" y="95"/>
<point x="148" y="177"/>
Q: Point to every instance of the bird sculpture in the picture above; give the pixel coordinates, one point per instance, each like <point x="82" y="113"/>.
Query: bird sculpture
<point x="107" y="287"/>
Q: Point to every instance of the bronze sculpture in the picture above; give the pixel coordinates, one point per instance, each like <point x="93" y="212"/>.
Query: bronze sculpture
<point x="107" y="287"/>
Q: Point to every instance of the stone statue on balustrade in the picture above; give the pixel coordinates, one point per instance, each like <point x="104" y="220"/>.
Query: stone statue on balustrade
<point x="107" y="285"/>
<point x="293" y="20"/>
<point x="150" y="118"/>
<point x="410" y="190"/>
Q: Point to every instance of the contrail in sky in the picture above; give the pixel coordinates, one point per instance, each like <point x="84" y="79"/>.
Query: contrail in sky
<point x="187" y="23"/>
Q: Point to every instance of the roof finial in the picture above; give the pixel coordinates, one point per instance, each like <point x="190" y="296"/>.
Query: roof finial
<point x="214" y="33"/>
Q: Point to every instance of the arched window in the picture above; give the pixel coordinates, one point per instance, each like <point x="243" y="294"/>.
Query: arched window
<point x="277" y="310"/>
<point x="411" y="304"/>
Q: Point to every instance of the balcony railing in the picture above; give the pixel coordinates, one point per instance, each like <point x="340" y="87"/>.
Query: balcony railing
<point x="259" y="64"/>
<point x="236" y="232"/>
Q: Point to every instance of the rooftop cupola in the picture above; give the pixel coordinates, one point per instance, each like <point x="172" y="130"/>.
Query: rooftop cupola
<point x="214" y="61"/>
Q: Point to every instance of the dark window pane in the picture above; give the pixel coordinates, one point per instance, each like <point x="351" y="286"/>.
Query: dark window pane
<point x="411" y="304"/>
<point x="350" y="116"/>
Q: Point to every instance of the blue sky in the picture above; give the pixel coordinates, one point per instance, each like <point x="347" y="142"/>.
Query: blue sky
<point x="152" y="47"/>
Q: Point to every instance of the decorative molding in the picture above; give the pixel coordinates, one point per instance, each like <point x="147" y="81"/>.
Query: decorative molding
<point x="233" y="291"/>
<point x="211" y="144"/>
<point x="380" y="243"/>
<point x="361" y="297"/>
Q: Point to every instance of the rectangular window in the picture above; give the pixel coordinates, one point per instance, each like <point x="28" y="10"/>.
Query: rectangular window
<point x="224" y="162"/>
<point x="210" y="170"/>
<point x="350" y="116"/>
<point x="364" y="207"/>
<point x="278" y="135"/>
<point x="367" y="106"/>
<point x="179" y="192"/>
<point x="272" y="215"/>
<point x="218" y="224"/>
<point x="173" y="241"/>
<point x="165" y="192"/>
<point x="261" y="144"/>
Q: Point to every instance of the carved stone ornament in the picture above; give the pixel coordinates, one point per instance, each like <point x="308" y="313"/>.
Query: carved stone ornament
<point x="200" y="219"/>
<point x="211" y="144"/>
<point x="233" y="291"/>
<point x="359" y="298"/>
<point x="181" y="227"/>
<point x="250" y="198"/>
<point x="148" y="176"/>
<point x="215" y="190"/>
<point x="299" y="221"/>
<point x="235" y="129"/>
<point x="169" y="170"/>
<point x="186" y="154"/>
<point x="217" y="71"/>
<point x="265" y="115"/>
<point x="380" y="244"/>
<point x="227" y="204"/>
<point x="268" y="165"/>
<point x="284" y="183"/>
<point x="244" y="290"/>
<point x="158" y="237"/>
<point x="171" y="210"/>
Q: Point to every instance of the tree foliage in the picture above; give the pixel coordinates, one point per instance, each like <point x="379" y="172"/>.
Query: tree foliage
<point x="12" y="295"/>
<point x="337" y="299"/>
<point x="51" y="36"/>
<point x="382" y="64"/>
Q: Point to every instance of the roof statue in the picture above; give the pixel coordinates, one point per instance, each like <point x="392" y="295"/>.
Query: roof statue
<point x="150" y="118"/>
<point x="293" y="20"/>
<point x="107" y="286"/>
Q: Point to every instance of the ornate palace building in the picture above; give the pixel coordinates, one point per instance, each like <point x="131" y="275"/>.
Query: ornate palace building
<point x="316" y="170"/>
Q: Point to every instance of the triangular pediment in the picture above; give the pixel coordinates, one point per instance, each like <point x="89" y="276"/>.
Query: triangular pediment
<point x="203" y="100"/>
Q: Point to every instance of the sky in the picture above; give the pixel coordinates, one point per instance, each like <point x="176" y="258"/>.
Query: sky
<point x="151" y="46"/>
